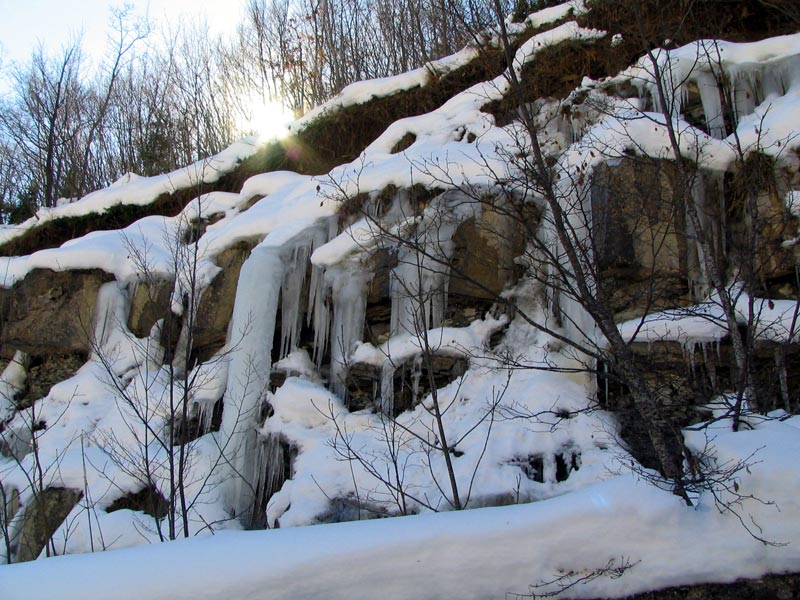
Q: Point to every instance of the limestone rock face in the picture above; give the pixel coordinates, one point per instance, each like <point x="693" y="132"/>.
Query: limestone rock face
<point x="50" y="312"/>
<point x="773" y="259"/>
<point x="485" y="253"/>
<point x="639" y="233"/>
<point x="647" y="255"/>
<point x="42" y="517"/>
<point x="410" y="381"/>
<point x="680" y="389"/>
<point x="216" y="303"/>
<point x="149" y="303"/>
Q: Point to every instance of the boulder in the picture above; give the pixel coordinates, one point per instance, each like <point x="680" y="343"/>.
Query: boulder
<point x="46" y="371"/>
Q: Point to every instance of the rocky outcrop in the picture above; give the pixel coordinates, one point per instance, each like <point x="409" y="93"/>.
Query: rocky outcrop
<point x="643" y="242"/>
<point x="686" y="377"/>
<point x="46" y="371"/>
<point x="147" y="500"/>
<point x="770" y="587"/>
<point x="150" y="301"/>
<point x="485" y="248"/>
<point x="216" y="303"/>
<point x="640" y="237"/>
<point x="411" y="381"/>
<point x="50" y="312"/>
<point x="42" y="518"/>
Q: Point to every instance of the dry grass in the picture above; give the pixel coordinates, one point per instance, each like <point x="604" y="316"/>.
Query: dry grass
<point x="646" y="25"/>
<point x="557" y="70"/>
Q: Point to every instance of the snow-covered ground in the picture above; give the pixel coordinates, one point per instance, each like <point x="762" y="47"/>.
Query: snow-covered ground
<point x="482" y="554"/>
<point x="603" y="514"/>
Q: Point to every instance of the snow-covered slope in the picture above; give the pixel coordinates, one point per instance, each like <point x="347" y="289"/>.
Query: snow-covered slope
<point x="532" y="436"/>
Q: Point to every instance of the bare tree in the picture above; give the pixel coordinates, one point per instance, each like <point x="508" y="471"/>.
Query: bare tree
<point x="45" y="118"/>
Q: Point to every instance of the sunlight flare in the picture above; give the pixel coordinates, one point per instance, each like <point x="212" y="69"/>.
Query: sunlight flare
<point x="267" y="118"/>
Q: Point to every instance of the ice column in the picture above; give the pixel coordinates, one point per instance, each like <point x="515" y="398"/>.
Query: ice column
<point x="698" y="275"/>
<point x="712" y="103"/>
<point x="110" y="315"/>
<point x="576" y="213"/>
<point x="12" y="383"/>
<point x="292" y="304"/>
<point x="253" y="327"/>
<point x="419" y="283"/>
<point x="349" y="286"/>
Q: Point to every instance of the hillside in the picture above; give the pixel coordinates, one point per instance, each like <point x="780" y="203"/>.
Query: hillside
<point x="521" y="322"/>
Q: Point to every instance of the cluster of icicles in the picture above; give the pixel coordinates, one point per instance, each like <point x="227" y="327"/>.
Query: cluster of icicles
<point x="335" y="306"/>
<point x="331" y="293"/>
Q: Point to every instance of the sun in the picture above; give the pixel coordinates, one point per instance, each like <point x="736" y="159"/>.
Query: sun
<point x="268" y="118"/>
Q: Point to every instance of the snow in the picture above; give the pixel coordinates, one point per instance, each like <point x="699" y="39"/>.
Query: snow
<point x="12" y="384"/>
<point x="499" y="420"/>
<point x="137" y="190"/>
<point x="773" y="320"/>
<point x="453" y="341"/>
<point x="551" y="14"/>
<point x="485" y="553"/>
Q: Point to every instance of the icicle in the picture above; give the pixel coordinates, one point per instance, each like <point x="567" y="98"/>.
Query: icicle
<point x="404" y="287"/>
<point x="744" y="101"/>
<point x="292" y="305"/>
<point x="205" y="415"/>
<point x="270" y="474"/>
<point x="318" y="310"/>
<point x="322" y="321"/>
<point x="106" y="315"/>
<point x="110" y="335"/>
<point x="698" y="277"/>
<point x="387" y="388"/>
<point x="254" y="315"/>
<point x="153" y="350"/>
<point x="672" y="80"/>
<point x="690" y="348"/>
<point x="712" y="104"/>
<point x="771" y="85"/>
<point x="549" y="468"/>
<point x="349" y="285"/>
<point x="419" y="284"/>
<point x="12" y="383"/>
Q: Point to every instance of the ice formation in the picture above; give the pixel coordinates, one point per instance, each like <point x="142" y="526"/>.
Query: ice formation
<point x="305" y="274"/>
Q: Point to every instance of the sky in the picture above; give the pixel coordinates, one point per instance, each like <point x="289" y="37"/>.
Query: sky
<point x="26" y="23"/>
